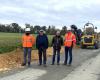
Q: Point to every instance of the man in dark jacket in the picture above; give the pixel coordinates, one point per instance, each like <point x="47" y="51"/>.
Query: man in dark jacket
<point x="42" y="45"/>
<point x="57" y="42"/>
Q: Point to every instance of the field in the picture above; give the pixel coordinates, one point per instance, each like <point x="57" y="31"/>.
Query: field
<point x="12" y="41"/>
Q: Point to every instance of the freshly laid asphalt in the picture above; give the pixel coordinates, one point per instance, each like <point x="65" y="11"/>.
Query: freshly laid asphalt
<point x="51" y="72"/>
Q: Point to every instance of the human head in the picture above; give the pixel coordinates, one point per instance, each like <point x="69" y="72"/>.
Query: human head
<point x="68" y="29"/>
<point x="58" y="33"/>
<point x="27" y="31"/>
<point x="41" y="32"/>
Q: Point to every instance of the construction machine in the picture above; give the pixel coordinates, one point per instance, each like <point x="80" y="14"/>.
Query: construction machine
<point x="77" y="32"/>
<point x="89" y="37"/>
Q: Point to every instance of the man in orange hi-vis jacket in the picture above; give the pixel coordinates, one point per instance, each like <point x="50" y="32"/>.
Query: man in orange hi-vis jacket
<point x="70" y="41"/>
<point x="27" y="41"/>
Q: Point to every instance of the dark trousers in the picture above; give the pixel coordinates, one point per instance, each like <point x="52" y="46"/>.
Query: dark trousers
<point x="68" y="55"/>
<point x="54" y="55"/>
<point x="42" y="52"/>
<point x="27" y="51"/>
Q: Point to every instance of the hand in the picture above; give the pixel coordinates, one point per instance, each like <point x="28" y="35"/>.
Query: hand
<point x="74" y="46"/>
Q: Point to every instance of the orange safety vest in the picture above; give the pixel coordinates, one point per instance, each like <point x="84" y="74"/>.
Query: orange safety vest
<point x="28" y="41"/>
<point x="69" y="39"/>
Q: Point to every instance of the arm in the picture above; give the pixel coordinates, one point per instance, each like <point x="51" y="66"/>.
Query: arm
<point x="74" y="39"/>
<point x="61" y="41"/>
<point x="33" y="40"/>
<point x="52" y="41"/>
<point x="37" y="42"/>
<point x="22" y="39"/>
<point x="47" y="41"/>
<point x="65" y="37"/>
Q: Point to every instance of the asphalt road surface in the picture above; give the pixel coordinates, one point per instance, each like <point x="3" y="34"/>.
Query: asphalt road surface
<point x="86" y="66"/>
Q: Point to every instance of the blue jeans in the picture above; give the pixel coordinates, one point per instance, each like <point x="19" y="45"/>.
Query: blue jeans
<point x="42" y="52"/>
<point x="27" y="51"/>
<point x="54" y="54"/>
<point x="68" y="55"/>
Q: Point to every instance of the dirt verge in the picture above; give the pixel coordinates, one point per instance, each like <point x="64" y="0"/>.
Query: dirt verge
<point x="15" y="58"/>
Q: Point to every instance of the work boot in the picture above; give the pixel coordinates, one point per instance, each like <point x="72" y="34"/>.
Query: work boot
<point x="23" y="64"/>
<point x="52" y="64"/>
<point x="29" y="64"/>
<point x="65" y="64"/>
<point x="39" y="64"/>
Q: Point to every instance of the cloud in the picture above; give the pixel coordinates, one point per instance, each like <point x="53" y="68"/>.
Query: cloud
<point x="5" y="21"/>
<point x="5" y="9"/>
<point x="53" y="12"/>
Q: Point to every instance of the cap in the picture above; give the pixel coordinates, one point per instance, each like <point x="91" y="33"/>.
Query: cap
<point x="68" y="28"/>
<point x="41" y="30"/>
<point x="27" y="29"/>
<point x="58" y="32"/>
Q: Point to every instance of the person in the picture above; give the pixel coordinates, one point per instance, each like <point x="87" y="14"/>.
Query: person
<point x="42" y="45"/>
<point x="27" y="41"/>
<point x="69" y="42"/>
<point x="57" y="42"/>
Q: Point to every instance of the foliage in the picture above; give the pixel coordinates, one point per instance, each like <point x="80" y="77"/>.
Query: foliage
<point x="15" y="28"/>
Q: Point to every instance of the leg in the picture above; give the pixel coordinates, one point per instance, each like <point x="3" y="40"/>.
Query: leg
<point x="29" y="55"/>
<point x="25" y="55"/>
<point x="40" y="56"/>
<point x="70" y="55"/>
<point x="53" y="58"/>
<point x="58" y="56"/>
<point x="66" y="55"/>
<point x="44" y="56"/>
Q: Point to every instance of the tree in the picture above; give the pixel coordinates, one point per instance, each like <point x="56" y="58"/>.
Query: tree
<point x="32" y="29"/>
<point x="48" y="30"/>
<point x="8" y="28"/>
<point x="37" y="28"/>
<point x="27" y="25"/>
<point x="44" y="28"/>
<point x="2" y="28"/>
<point x="15" y="27"/>
<point x="52" y="30"/>
<point x="63" y="31"/>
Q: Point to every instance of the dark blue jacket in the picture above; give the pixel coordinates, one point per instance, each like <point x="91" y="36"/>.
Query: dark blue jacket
<point x="42" y="42"/>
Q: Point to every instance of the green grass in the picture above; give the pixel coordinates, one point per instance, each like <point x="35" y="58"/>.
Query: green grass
<point x="11" y="41"/>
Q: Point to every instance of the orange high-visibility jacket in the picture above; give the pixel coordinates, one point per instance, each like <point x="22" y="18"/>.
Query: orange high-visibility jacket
<point x="70" y="39"/>
<point x="28" y="41"/>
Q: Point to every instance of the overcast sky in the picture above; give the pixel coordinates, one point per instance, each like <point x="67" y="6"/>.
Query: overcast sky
<point x="50" y="12"/>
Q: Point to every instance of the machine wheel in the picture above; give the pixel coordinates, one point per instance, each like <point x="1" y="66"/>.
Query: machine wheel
<point x="83" y="46"/>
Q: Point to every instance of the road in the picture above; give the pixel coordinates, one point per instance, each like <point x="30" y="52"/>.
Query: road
<point x="85" y="66"/>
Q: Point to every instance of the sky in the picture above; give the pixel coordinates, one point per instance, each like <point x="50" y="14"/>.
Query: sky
<point x="50" y="12"/>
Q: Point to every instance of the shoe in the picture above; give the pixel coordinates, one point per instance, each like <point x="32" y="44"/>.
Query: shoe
<point x="39" y="64"/>
<point x="52" y="64"/>
<point x="23" y="64"/>
<point x="29" y="64"/>
<point x="65" y="64"/>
